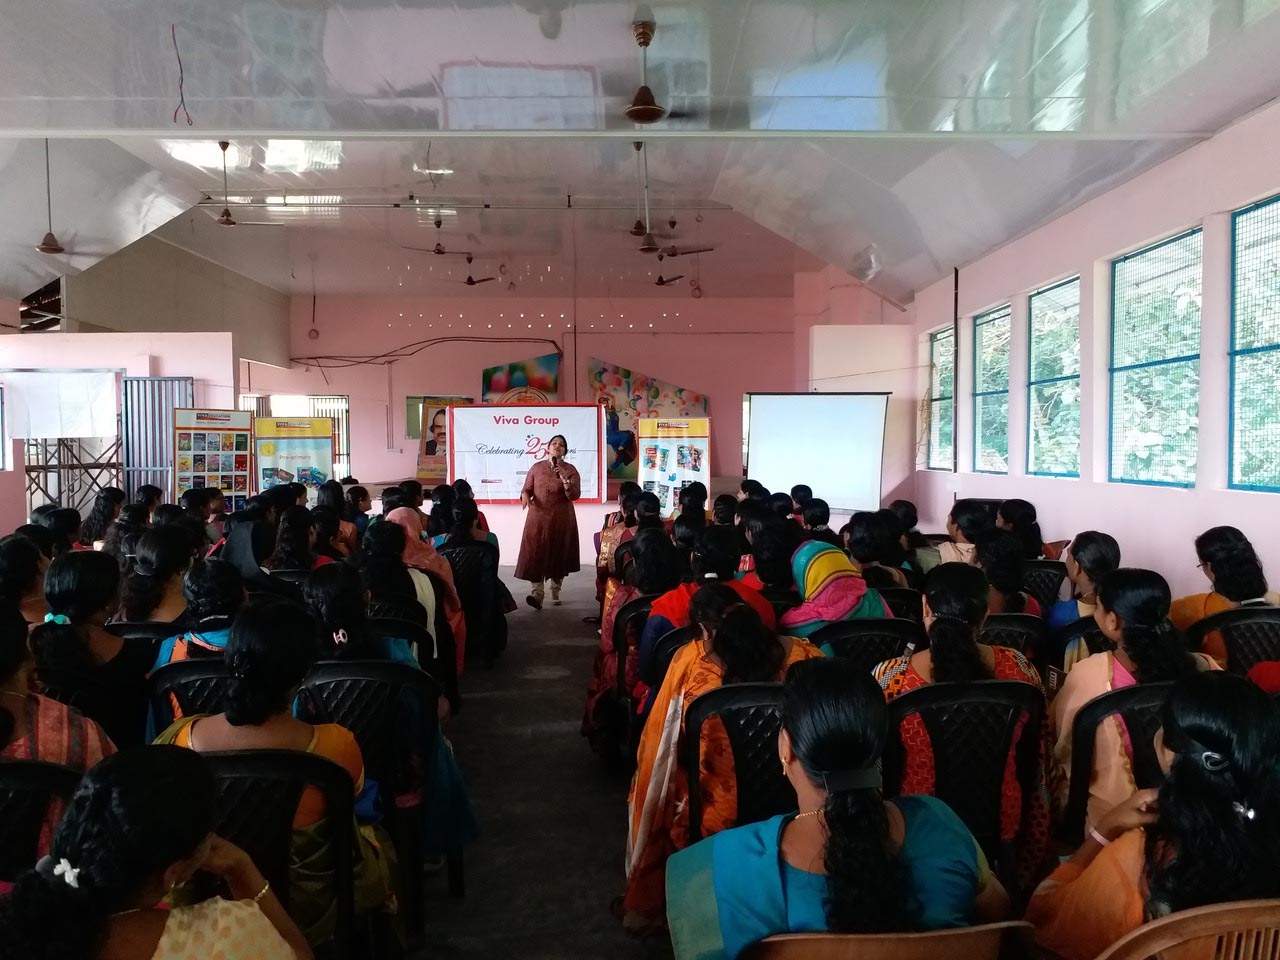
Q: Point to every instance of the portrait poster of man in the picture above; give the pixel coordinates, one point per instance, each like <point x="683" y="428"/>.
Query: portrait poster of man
<point x="433" y="447"/>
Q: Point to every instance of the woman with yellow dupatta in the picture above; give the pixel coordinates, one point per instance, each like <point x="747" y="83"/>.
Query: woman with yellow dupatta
<point x="1211" y="834"/>
<point x="832" y="588"/>
<point x="734" y="647"/>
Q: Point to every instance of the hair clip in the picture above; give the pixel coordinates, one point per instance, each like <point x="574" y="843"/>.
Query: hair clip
<point x="1213" y="762"/>
<point x="59" y="618"/>
<point x="69" y="874"/>
<point x="1247" y="812"/>
<point x="340" y="637"/>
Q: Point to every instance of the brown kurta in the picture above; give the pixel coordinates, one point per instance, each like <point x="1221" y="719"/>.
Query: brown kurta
<point x="549" y="547"/>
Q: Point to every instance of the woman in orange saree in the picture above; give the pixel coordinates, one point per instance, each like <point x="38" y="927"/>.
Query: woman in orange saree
<point x="735" y="647"/>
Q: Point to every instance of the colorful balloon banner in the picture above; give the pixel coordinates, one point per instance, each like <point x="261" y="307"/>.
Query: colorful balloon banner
<point x="536" y="380"/>
<point x="629" y="395"/>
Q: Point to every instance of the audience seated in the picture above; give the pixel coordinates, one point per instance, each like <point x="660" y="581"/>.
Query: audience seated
<point x="1211" y="834"/>
<point x="724" y="510"/>
<point x="830" y="591"/>
<point x="464" y="528"/>
<point x="801" y="494"/>
<point x="38" y="535"/>
<point x="328" y="530"/>
<point x="462" y="490"/>
<point x="443" y="497"/>
<point x="106" y="507"/>
<point x="955" y="607"/>
<point x="1228" y="561"/>
<point x="295" y="543"/>
<point x="734" y="647"/>
<point x="214" y="593"/>
<point x="22" y="570"/>
<point x="1019" y="518"/>
<point x="339" y="603"/>
<point x="657" y="571"/>
<point x="618" y="524"/>
<point x="1002" y="559"/>
<point x="968" y="524"/>
<point x="714" y="559"/>
<point x="1133" y="612"/>
<point x="153" y="589"/>
<point x="148" y="496"/>
<point x="419" y="556"/>
<point x="197" y="505"/>
<point x="272" y="646"/>
<point x="392" y="583"/>
<point x="753" y="491"/>
<point x="1091" y="556"/>
<point x="78" y="660"/>
<point x="849" y="861"/>
<point x="64" y="526"/>
<point x="331" y="497"/>
<point x="34" y="727"/>
<point x="359" y="503"/>
<point x="139" y="825"/>
<point x="922" y="554"/>
<point x="121" y="540"/>
<point x="773" y="540"/>
<point x="875" y="546"/>
<point x="815" y="517"/>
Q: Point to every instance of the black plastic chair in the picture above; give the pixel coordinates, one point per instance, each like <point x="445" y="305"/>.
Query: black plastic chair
<point x="622" y="558"/>
<point x="146" y="630"/>
<point x="1139" y="707"/>
<point x="971" y="729"/>
<point x="295" y="577"/>
<point x="628" y="625"/>
<point x="475" y="577"/>
<point x="1020" y="631"/>
<point x="196" y="686"/>
<point x="27" y="789"/>
<point x="258" y="794"/>
<point x="1043" y="580"/>
<point x="415" y="633"/>
<point x="1251" y="635"/>
<point x="781" y="599"/>
<point x="903" y="602"/>
<point x="377" y="701"/>
<point x="752" y="716"/>
<point x="669" y="645"/>
<point x="871" y="641"/>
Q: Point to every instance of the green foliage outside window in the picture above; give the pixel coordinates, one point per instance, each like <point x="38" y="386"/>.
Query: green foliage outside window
<point x="991" y="336"/>
<point x="942" y="381"/>
<point x="1053" y="428"/>
<point x="1255" y="346"/>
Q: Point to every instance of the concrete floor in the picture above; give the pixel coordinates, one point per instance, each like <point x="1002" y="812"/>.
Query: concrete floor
<point x="553" y="819"/>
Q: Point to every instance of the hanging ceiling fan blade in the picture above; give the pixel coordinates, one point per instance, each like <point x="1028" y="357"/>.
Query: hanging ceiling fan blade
<point x="486" y="279"/>
<point x="686" y="252"/>
<point x="667" y="281"/>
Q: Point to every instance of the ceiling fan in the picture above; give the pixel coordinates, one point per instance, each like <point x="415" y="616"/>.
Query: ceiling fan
<point x="644" y="106"/>
<point x="472" y="281"/>
<point x="667" y="281"/>
<point x="674" y="251"/>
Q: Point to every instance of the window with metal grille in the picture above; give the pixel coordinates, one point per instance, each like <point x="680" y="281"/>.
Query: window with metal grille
<point x="1053" y="380"/>
<point x="991" y="332"/>
<point x="339" y="409"/>
<point x="942" y="382"/>
<point x="1155" y="362"/>
<point x="1255" y="347"/>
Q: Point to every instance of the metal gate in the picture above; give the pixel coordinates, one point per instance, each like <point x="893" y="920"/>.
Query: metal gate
<point x="146" y="428"/>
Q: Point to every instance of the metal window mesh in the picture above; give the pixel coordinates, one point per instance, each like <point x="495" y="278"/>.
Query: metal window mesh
<point x="1155" y="362"/>
<point x="941" y="403"/>
<point x="991" y="334"/>
<point x="1255" y="441"/>
<point x="1053" y="428"/>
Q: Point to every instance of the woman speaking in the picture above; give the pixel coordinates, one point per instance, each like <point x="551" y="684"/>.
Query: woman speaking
<point x="549" y="547"/>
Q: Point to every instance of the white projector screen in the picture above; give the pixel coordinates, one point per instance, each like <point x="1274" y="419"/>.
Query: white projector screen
<point x="834" y="442"/>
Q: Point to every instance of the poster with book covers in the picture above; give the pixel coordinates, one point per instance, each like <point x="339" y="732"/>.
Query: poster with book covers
<point x="293" y="449"/>
<point x="213" y="449"/>
<point x="674" y="452"/>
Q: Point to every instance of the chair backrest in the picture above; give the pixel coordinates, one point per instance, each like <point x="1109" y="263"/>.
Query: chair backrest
<point x="971" y="729"/>
<point x="369" y="698"/>
<point x="1043" y="579"/>
<point x="1139" y="708"/>
<point x="145" y="630"/>
<point x="668" y="645"/>
<point x="475" y="566"/>
<point x="398" y="629"/>
<point x="905" y="603"/>
<point x="291" y="576"/>
<point x="258" y="794"/>
<point x="1243" y="930"/>
<point x="216" y="622"/>
<point x="1251" y="635"/>
<point x="752" y="716"/>
<point x="987" y="942"/>
<point x="622" y="557"/>
<point x="628" y="626"/>
<point x="27" y="788"/>
<point x="781" y="599"/>
<point x="871" y="641"/>
<point x="1021" y="631"/>
<point x="198" y="686"/>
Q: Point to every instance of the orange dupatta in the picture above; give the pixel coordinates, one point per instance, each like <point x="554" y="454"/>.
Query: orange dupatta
<point x="421" y="555"/>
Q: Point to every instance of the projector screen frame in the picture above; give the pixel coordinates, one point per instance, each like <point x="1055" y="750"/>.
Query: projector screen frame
<point x="746" y="421"/>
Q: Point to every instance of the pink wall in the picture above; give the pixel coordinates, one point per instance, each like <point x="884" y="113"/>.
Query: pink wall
<point x="721" y="347"/>
<point x="13" y="490"/>
<point x="1155" y="525"/>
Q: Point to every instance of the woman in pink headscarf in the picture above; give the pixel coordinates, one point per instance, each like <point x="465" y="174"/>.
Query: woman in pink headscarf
<point x="421" y="555"/>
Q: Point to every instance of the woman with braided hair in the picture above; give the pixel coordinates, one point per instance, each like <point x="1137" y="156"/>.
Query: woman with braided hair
<point x="1133" y="613"/>
<point x="849" y="861"/>
<point x="1210" y="834"/>
<point x="139" y="824"/>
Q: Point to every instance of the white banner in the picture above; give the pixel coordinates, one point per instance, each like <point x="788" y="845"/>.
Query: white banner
<point x="60" y="403"/>
<point x="493" y="447"/>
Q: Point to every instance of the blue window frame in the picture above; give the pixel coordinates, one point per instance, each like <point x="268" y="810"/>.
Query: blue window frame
<point x="991" y="334"/>
<point x="940" y="453"/>
<point x="1155" y="363"/>
<point x="1254" y="453"/>
<point x="1053" y="380"/>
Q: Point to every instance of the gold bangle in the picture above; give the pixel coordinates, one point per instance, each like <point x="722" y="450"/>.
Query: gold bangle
<point x="266" y="887"/>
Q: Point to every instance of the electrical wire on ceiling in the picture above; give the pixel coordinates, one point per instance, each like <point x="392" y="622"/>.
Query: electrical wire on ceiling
<point x="405" y="351"/>
<point x="182" y="94"/>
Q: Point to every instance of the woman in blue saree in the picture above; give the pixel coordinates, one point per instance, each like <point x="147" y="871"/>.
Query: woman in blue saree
<point x="849" y="861"/>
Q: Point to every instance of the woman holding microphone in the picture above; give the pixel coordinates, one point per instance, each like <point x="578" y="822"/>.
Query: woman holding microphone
<point x="549" y="547"/>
